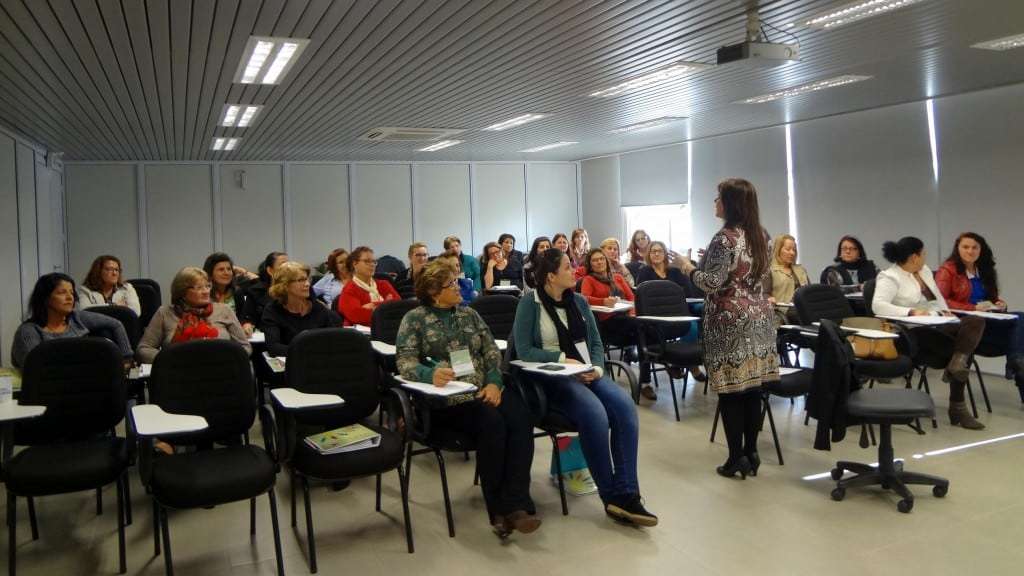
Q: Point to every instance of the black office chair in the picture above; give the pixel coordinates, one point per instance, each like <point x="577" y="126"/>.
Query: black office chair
<point x="71" y="447"/>
<point x="498" y="312"/>
<point x="384" y="324"/>
<point x="659" y="342"/>
<point x="150" y="298"/>
<point x="336" y="361"/>
<point x="127" y="317"/>
<point x="211" y="379"/>
<point x="884" y="407"/>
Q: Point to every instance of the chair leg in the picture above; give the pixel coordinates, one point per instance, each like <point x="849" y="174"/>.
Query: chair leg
<point x="32" y="517"/>
<point x="923" y="383"/>
<point x="252" y="517"/>
<point x="165" y="531"/>
<point x="444" y="490"/>
<point x="127" y="500"/>
<point x="99" y="501"/>
<point x="277" y="531"/>
<point x="403" y="482"/>
<point x="558" y="474"/>
<point x="675" y="401"/>
<point x="714" y="425"/>
<point x="408" y="462"/>
<point x="120" y="523"/>
<point x="377" y="507"/>
<point x="292" y="483"/>
<point x="156" y="529"/>
<point x="775" y="434"/>
<point x="465" y="455"/>
<point x="12" y="536"/>
<point x="981" y="383"/>
<point x="310" y="538"/>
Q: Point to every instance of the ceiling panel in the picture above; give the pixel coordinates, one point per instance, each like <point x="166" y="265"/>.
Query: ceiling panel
<point x="148" y="79"/>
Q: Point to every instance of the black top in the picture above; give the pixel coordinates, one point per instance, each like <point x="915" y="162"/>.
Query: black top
<point x="256" y="299"/>
<point x="511" y="273"/>
<point x="280" y="325"/>
<point x="634" y="268"/>
<point x="675" y="275"/>
<point x="842" y="273"/>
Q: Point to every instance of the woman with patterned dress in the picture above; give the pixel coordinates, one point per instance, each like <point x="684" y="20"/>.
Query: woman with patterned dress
<point x="739" y="328"/>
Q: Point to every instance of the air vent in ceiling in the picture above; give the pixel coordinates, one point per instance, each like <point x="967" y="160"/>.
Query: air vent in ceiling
<point x="402" y="134"/>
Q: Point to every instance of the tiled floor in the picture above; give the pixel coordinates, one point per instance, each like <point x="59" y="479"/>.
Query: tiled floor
<point x="777" y="523"/>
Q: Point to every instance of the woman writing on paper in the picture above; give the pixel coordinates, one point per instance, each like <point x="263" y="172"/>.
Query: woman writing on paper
<point x="554" y="324"/>
<point x="441" y="341"/>
<point x="907" y="288"/>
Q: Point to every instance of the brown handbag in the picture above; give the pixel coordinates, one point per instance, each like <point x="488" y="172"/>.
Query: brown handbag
<point x="871" y="348"/>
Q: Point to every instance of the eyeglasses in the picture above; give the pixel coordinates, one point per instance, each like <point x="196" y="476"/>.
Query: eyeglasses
<point x="642" y="237"/>
<point x="109" y="269"/>
<point x="372" y="262"/>
<point x="199" y="287"/>
<point x="453" y="284"/>
<point x="657" y="251"/>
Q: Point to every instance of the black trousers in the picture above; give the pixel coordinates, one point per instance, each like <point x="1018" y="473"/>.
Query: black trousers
<point x="504" y="453"/>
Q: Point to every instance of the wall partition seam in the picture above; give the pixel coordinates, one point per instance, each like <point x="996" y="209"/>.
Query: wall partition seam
<point x="286" y="206"/>
<point x="140" y="195"/>
<point x="791" y="185"/>
<point x="472" y="203"/>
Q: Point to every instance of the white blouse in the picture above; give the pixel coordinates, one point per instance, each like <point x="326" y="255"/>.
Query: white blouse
<point x="123" y="295"/>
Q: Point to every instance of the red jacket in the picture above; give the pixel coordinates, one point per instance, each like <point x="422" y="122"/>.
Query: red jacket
<point x="596" y="291"/>
<point x="353" y="298"/>
<point x="955" y="287"/>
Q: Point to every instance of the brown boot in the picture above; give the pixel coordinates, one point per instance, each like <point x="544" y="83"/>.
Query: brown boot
<point x="523" y="522"/>
<point x="957" y="369"/>
<point x="960" y="414"/>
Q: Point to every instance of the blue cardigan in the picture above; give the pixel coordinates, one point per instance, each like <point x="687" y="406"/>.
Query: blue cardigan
<point x="526" y="331"/>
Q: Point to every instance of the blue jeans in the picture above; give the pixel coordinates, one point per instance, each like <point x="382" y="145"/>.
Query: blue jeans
<point x="1004" y="336"/>
<point x="598" y="410"/>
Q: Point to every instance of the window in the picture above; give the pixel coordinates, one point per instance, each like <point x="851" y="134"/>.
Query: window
<point x="669" y="223"/>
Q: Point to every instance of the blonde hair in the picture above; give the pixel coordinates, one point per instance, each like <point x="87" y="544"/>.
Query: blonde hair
<point x="433" y="277"/>
<point x="284" y="275"/>
<point x="608" y="242"/>
<point x="414" y="246"/>
<point x="185" y="279"/>
<point x="777" y="244"/>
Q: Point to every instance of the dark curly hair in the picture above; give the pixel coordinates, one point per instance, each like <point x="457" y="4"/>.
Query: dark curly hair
<point x="986" y="263"/>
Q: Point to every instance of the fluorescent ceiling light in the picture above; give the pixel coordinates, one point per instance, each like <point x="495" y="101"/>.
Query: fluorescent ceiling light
<point x="658" y="76"/>
<point x="266" y="60"/>
<point x="1000" y="44"/>
<point x="804" y="89"/>
<point x="855" y="11"/>
<point x="648" y="124"/>
<point x="440" y="145"/>
<point x="240" y="113"/>
<point x="513" y="122"/>
<point x="224" y="143"/>
<point x="549" y="146"/>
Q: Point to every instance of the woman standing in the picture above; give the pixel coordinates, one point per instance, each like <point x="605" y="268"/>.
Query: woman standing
<point x="104" y="284"/>
<point x="739" y="331"/>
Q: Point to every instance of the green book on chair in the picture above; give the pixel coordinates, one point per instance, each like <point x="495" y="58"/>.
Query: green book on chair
<point x="345" y="439"/>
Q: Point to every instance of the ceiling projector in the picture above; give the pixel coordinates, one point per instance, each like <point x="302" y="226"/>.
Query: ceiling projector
<point x="760" y="54"/>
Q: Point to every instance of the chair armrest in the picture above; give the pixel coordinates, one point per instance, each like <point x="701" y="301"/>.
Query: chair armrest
<point x="292" y="399"/>
<point x="634" y="384"/>
<point x="149" y="420"/>
<point x="415" y="429"/>
<point x="383" y="348"/>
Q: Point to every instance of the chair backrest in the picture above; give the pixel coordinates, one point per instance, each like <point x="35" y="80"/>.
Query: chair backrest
<point x="498" y="312"/>
<point x="387" y="318"/>
<point x="334" y="361"/>
<point x="869" y="296"/>
<point x="390" y="267"/>
<point x="208" y="378"/>
<point x="661" y="298"/>
<point x="127" y="318"/>
<point x="81" y="383"/>
<point x="816" y="301"/>
<point x="835" y="276"/>
<point x="407" y="290"/>
<point x="149" y="299"/>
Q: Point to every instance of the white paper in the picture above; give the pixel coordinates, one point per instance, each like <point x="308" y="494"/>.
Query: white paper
<point x="384" y="348"/>
<point x="855" y="295"/>
<point x="504" y="287"/>
<point x="141" y="371"/>
<point x="584" y="351"/>
<point x="501" y="344"/>
<point x="924" y="320"/>
<point x="361" y="329"/>
<point x="11" y="411"/>
<point x="784" y="304"/>
<point x="6" y="388"/>
<point x="566" y="369"/>
<point x="669" y="318"/>
<point x="988" y="315"/>
<point x="786" y="371"/>
<point x="257" y="337"/>
<point x="694" y="300"/>
<point x="620" y="306"/>
<point x="452" y="388"/>
<point x="275" y="363"/>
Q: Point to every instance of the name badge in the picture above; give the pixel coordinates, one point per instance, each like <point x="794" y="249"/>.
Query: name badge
<point x="462" y="363"/>
<point x="505" y="283"/>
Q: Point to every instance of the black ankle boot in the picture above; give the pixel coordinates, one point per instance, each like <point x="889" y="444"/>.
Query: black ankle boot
<point x="755" y="462"/>
<point x="730" y="468"/>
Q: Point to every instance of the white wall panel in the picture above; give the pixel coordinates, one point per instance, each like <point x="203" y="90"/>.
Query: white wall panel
<point x="102" y="216"/>
<point x="252" y="217"/>
<point x="319" y="210"/>
<point x="382" y="208"/>
<point x="441" y="205"/>
<point x="551" y="199"/>
<point x="601" y="213"/>
<point x="868" y="174"/>
<point x="179" y="219"/>
<point x="499" y="204"/>
<point x="656" y="176"/>
<point x="10" y="284"/>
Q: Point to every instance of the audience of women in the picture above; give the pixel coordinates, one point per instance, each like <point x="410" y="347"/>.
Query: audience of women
<point x="497" y="270"/>
<point x="540" y="245"/>
<point x="787" y="276"/>
<point x="105" y="285"/>
<point x="257" y="295"/>
<point x="554" y="324"/>
<point x="428" y="341"/>
<point x="852" y="267"/>
<point x="579" y="247"/>
<point x="514" y="257"/>
<point x="610" y="248"/>
<point x="329" y="286"/>
<point x="52" y="315"/>
<point x="739" y="331"/>
<point x="469" y="265"/>
<point x="292" y="311"/>
<point x="223" y="288"/>
<point x="968" y="281"/>
<point x="638" y="245"/>
<point x="907" y="288"/>
<point x="191" y="315"/>
<point x="363" y="293"/>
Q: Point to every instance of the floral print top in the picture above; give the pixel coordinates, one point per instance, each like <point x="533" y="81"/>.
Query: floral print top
<point x="434" y="333"/>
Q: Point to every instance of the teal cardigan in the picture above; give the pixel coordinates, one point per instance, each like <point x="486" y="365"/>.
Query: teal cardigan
<point x="471" y="268"/>
<point x="526" y="332"/>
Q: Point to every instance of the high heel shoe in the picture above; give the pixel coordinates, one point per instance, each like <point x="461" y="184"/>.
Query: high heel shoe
<point x="729" y="470"/>
<point x="755" y="462"/>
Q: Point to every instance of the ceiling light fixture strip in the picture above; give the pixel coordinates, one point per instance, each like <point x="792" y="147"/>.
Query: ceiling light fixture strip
<point x="856" y="11"/>
<point x="1000" y="44"/>
<point x="549" y="146"/>
<point x="513" y="122"/>
<point x="805" y="89"/>
<point x="648" y="124"/>
<point x="440" y="145"/>
<point x="659" y="75"/>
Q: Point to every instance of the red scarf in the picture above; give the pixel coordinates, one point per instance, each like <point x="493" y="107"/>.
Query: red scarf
<point x="192" y="324"/>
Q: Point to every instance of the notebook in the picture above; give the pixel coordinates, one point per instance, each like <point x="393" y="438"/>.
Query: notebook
<point x="345" y="439"/>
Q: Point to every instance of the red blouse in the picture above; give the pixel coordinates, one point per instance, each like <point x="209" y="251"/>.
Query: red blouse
<point x="353" y="298"/>
<point x="596" y="291"/>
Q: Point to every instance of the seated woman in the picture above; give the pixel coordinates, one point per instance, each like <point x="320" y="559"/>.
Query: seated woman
<point x="786" y="277"/>
<point x="405" y="284"/>
<point x="561" y="241"/>
<point x="329" y="286"/>
<point x="466" y="289"/>
<point x="907" y="288"/>
<point x="256" y="295"/>
<point x="52" y="315"/>
<point x="540" y="245"/>
<point x="610" y="248"/>
<point x="499" y="420"/>
<point x="851" y="268"/>
<point x="554" y="324"/>
<point x="191" y="315"/>
<point x="364" y="293"/>
<point x="637" y="248"/>
<point x="497" y="270"/>
<point x="514" y="257"/>
<point x="968" y="281"/>
<point x="292" y="311"/>
<point x="469" y="265"/>
<point x="579" y="247"/>
<point x="223" y="288"/>
<point x="104" y="284"/>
